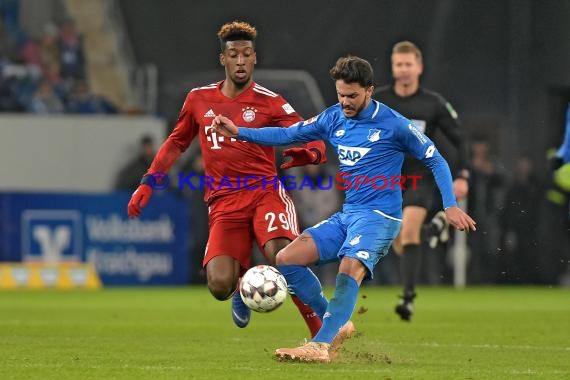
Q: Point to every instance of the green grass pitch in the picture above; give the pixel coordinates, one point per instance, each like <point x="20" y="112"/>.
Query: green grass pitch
<point x="183" y="333"/>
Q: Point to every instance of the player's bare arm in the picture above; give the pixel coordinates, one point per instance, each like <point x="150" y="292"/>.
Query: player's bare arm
<point x="225" y="126"/>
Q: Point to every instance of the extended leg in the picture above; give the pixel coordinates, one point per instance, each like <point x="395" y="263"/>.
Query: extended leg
<point x="312" y="319"/>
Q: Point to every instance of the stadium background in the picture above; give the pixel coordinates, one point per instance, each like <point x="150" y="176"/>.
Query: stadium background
<point x="502" y="64"/>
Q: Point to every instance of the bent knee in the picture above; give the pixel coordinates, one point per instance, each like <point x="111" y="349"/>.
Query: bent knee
<point x="410" y="236"/>
<point x="397" y="246"/>
<point x="273" y="247"/>
<point x="281" y="257"/>
<point x="221" y="287"/>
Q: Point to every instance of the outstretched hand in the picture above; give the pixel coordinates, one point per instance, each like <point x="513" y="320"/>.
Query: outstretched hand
<point x="299" y="157"/>
<point x="139" y="200"/>
<point x="225" y="126"/>
<point x="459" y="219"/>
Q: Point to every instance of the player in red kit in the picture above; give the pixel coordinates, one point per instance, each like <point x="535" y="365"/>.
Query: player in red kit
<point x="238" y="214"/>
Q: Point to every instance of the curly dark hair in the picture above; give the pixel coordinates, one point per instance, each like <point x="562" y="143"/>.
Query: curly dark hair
<point x="236" y="31"/>
<point x="353" y="69"/>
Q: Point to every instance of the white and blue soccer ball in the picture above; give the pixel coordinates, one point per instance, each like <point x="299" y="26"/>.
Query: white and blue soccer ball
<point x="263" y="288"/>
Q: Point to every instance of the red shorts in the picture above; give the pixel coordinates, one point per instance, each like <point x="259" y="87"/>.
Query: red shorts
<point x="236" y="220"/>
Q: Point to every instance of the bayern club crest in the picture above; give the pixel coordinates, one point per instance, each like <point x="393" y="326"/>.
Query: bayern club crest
<point x="248" y="114"/>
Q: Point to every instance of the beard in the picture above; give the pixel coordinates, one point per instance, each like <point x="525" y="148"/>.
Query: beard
<point x="361" y="107"/>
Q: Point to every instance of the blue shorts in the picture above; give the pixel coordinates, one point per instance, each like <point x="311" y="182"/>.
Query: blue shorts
<point x="363" y="235"/>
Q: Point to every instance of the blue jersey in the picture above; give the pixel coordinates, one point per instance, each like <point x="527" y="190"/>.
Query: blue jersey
<point x="564" y="150"/>
<point x="371" y="147"/>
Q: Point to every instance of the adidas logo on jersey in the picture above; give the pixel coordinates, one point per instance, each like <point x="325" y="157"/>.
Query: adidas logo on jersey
<point x="210" y="113"/>
<point x="350" y="155"/>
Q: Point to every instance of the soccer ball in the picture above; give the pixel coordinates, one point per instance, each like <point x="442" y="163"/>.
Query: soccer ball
<point x="263" y="288"/>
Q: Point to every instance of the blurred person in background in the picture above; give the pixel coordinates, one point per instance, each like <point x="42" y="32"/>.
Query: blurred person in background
<point x="560" y="164"/>
<point x="519" y="220"/>
<point x="8" y="45"/>
<point x="53" y="77"/>
<point x="199" y="211"/>
<point x="49" y="46"/>
<point x="45" y="100"/>
<point x="557" y="220"/>
<point x="83" y="101"/>
<point x="129" y="177"/>
<point x="72" y="57"/>
<point x="484" y="201"/>
<point x="238" y="215"/>
<point x="429" y="111"/>
<point x="30" y="51"/>
<point x="10" y="17"/>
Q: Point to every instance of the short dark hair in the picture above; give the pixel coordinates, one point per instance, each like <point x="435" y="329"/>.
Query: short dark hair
<point x="236" y="31"/>
<point x="353" y="69"/>
<point x="408" y="47"/>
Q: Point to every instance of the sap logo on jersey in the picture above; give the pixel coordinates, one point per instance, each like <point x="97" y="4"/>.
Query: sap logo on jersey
<point x="350" y="155"/>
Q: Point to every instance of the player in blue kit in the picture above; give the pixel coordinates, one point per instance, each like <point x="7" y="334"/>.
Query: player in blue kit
<point x="371" y="140"/>
<point x="563" y="153"/>
<point x="559" y="193"/>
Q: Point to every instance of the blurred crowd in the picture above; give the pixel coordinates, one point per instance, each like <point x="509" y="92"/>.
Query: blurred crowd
<point x="44" y="74"/>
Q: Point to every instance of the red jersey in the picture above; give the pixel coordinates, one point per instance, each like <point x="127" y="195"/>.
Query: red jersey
<point x="226" y="160"/>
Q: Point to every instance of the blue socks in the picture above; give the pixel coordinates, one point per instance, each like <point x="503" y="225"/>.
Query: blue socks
<point x="305" y="285"/>
<point x="334" y="314"/>
<point x="340" y="308"/>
